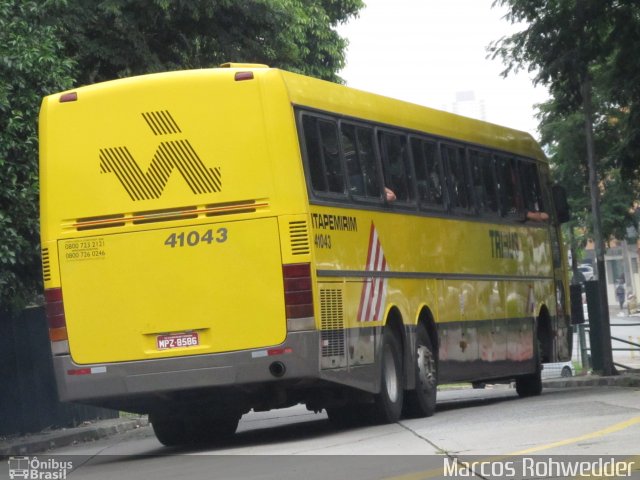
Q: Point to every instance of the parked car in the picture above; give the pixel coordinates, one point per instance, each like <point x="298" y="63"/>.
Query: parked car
<point x="586" y="270"/>
<point x="558" y="369"/>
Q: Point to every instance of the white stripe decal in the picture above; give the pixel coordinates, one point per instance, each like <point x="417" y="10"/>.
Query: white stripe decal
<point x="374" y="290"/>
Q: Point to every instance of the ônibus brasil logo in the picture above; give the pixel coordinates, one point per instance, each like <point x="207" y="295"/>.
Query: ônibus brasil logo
<point x="169" y="155"/>
<point x="38" y="469"/>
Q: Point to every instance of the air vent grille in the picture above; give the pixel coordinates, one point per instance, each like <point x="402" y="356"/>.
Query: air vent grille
<point x="169" y="214"/>
<point x="332" y="323"/>
<point x="46" y="265"/>
<point x="299" y="238"/>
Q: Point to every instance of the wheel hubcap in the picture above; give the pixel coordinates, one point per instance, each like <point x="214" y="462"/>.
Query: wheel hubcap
<point x="426" y="368"/>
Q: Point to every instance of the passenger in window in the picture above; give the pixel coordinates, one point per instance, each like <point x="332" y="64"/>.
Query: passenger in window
<point x="536" y="216"/>
<point x="526" y="215"/>
<point x="390" y="196"/>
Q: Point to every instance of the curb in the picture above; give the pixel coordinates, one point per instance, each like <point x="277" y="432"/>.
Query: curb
<point x="622" y="380"/>
<point x="41" y="442"/>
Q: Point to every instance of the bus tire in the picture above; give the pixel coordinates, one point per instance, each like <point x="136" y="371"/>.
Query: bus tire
<point x="215" y="429"/>
<point x="421" y="402"/>
<point x="170" y="429"/>
<point x="173" y="429"/>
<point x="388" y="403"/>
<point x="529" y="385"/>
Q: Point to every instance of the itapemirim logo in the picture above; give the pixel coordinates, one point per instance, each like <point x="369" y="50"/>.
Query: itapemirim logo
<point x="33" y="468"/>
<point x="170" y="155"/>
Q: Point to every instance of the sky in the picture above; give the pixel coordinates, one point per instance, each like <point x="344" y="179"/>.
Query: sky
<point x="433" y="53"/>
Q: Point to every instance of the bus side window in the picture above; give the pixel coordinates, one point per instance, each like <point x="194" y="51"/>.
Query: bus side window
<point x="483" y="181"/>
<point x="352" y="160"/>
<point x="398" y="175"/>
<point x="323" y="155"/>
<point x="509" y="188"/>
<point x="313" y="151"/>
<point x="531" y="191"/>
<point x="455" y="159"/>
<point x="368" y="161"/>
<point x="428" y="172"/>
<point x="362" y="167"/>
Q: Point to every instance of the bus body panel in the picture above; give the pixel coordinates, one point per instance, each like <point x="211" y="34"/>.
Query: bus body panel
<point x="134" y="148"/>
<point x="483" y="297"/>
<point x="132" y="290"/>
<point x="155" y="224"/>
<point x="139" y="386"/>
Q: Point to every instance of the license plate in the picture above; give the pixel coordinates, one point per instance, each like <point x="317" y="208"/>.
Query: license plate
<point x="177" y="340"/>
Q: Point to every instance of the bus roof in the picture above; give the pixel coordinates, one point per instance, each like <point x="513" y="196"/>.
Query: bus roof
<point x="332" y="97"/>
<point x="339" y="99"/>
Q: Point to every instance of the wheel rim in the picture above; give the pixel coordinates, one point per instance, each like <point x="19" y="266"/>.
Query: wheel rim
<point x="390" y="375"/>
<point x="426" y="368"/>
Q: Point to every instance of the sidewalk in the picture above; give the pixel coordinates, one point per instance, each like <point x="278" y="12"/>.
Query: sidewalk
<point x="41" y="442"/>
<point x="630" y="378"/>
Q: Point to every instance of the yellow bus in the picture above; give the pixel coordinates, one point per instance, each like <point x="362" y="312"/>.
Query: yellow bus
<point x="222" y="240"/>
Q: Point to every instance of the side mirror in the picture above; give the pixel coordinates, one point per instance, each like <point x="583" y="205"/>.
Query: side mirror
<point x="577" y="312"/>
<point x="563" y="214"/>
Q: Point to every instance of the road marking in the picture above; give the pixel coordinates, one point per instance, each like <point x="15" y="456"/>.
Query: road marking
<point x="437" y="472"/>
<point x="598" y="433"/>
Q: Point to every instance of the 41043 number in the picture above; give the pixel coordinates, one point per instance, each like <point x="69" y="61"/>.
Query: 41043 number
<point x="194" y="238"/>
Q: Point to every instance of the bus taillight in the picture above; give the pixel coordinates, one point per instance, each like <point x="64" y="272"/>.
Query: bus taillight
<point x="298" y="296"/>
<point x="55" y="315"/>
<point x="69" y="97"/>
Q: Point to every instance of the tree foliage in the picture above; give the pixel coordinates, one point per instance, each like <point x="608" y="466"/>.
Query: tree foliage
<point x="578" y="48"/>
<point x="52" y="45"/>
<point x="562" y="135"/>
<point x="31" y="66"/>
<point x="120" y="38"/>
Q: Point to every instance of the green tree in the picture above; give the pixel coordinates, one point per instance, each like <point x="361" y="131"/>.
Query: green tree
<point x="119" y="38"/>
<point x="572" y="45"/>
<point x="562" y="134"/>
<point x="563" y="42"/>
<point x="31" y="65"/>
<point x="566" y="43"/>
<point x="51" y="45"/>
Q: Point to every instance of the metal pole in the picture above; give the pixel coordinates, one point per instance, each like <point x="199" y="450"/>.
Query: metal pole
<point x="584" y="356"/>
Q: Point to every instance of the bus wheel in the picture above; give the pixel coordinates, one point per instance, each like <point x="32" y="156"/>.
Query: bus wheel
<point x="214" y="429"/>
<point x="174" y="429"/>
<point x="529" y="385"/>
<point x="170" y="428"/>
<point x="388" y="403"/>
<point x="421" y="402"/>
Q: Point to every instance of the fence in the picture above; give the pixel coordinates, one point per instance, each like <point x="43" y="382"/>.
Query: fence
<point x="28" y="397"/>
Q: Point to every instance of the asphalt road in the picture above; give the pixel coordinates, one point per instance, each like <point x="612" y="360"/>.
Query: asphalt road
<point x="295" y="443"/>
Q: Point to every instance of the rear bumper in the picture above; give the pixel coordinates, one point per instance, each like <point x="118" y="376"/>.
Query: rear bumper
<point x="92" y="383"/>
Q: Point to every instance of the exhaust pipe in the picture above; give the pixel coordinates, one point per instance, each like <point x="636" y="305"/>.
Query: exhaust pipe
<point x="277" y="369"/>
